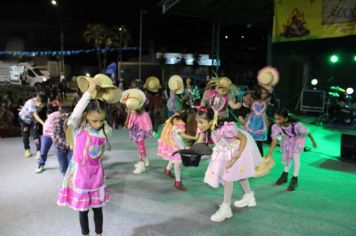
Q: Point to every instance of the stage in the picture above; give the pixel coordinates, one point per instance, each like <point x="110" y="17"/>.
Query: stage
<point x="324" y="202"/>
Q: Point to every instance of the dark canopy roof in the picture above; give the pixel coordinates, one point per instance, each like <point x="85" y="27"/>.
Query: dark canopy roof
<point x="228" y="12"/>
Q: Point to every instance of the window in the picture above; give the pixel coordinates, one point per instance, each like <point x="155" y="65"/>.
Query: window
<point x="37" y="71"/>
<point x="30" y="73"/>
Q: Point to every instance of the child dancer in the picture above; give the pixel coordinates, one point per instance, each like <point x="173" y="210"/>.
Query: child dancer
<point x="257" y="121"/>
<point x="176" y="88"/>
<point x="83" y="186"/>
<point x="171" y="140"/>
<point x="27" y="115"/>
<point x="220" y="98"/>
<point x="46" y="141"/>
<point x="293" y="142"/>
<point x="64" y="152"/>
<point x="155" y="103"/>
<point x="139" y="124"/>
<point x="234" y="159"/>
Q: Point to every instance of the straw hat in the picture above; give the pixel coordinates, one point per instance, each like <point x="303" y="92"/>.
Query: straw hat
<point x="106" y="91"/>
<point x="152" y="84"/>
<point x="175" y="83"/>
<point x="265" y="167"/>
<point x="211" y="83"/>
<point x="268" y="77"/>
<point x="224" y="82"/>
<point x="133" y="98"/>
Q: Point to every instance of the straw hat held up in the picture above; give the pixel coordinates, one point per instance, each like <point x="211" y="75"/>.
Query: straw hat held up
<point x="106" y="91"/>
<point x="133" y="99"/>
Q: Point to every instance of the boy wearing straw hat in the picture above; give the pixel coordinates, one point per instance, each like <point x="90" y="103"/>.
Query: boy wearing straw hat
<point x="152" y="86"/>
<point x="176" y="87"/>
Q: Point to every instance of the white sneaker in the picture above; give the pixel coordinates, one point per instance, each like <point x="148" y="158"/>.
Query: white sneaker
<point x="248" y="199"/>
<point x="224" y="212"/>
<point x="140" y="168"/>
<point x="147" y="161"/>
<point x="38" y="155"/>
<point x="137" y="164"/>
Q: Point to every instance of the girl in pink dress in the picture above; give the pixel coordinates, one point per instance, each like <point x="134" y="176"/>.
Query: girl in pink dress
<point x="293" y="142"/>
<point x="139" y="124"/>
<point x="83" y="185"/>
<point x="171" y="140"/>
<point x="234" y="158"/>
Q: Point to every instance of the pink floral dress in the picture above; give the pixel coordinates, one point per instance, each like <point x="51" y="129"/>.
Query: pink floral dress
<point x="226" y="147"/>
<point x="293" y="139"/>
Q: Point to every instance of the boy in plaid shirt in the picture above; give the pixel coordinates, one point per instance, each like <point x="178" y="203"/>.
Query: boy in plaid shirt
<point x="64" y="150"/>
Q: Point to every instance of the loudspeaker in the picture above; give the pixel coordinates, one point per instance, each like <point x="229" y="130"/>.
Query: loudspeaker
<point x="313" y="100"/>
<point x="348" y="148"/>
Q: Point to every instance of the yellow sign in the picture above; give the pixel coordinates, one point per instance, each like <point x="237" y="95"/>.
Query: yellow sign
<point x="313" y="19"/>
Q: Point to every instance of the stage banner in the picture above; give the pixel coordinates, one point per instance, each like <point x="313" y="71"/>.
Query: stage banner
<point x="313" y="19"/>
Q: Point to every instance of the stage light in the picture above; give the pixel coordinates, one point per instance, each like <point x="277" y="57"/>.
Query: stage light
<point x="314" y="82"/>
<point x="226" y="37"/>
<point x="349" y="91"/>
<point x="355" y="58"/>
<point x="242" y="36"/>
<point x="334" y="58"/>
<point x="87" y="74"/>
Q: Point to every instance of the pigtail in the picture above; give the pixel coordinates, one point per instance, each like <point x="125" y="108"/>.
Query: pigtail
<point x="106" y="138"/>
<point x="215" y="121"/>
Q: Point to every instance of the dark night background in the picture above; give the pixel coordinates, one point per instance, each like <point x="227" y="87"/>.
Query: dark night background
<point x="36" y="23"/>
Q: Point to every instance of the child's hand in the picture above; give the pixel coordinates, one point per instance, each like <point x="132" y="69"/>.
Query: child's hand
<point x="230" y="163"/>
<point x="269" y="155"/>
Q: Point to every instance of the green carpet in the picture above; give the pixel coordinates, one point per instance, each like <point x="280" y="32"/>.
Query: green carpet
<point x="324" y="202"/>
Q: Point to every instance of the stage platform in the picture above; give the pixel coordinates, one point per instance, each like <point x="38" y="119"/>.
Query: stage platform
<point x="147" y="205"/>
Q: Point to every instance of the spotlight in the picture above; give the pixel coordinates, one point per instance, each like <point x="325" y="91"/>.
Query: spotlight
<point x="314" y="82"/>
<point x="355" y="58"/>
<point x="349" y="91"/>
<point x="87" y="74"/>
<point x="226" y="37"/>
<point x="334" y="58"/>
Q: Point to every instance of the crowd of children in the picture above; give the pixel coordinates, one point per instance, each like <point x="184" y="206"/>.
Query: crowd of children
<point x="235" y="129"/>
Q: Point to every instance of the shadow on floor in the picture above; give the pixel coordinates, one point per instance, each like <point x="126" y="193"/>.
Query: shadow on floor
<point x="336" y="165"/>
